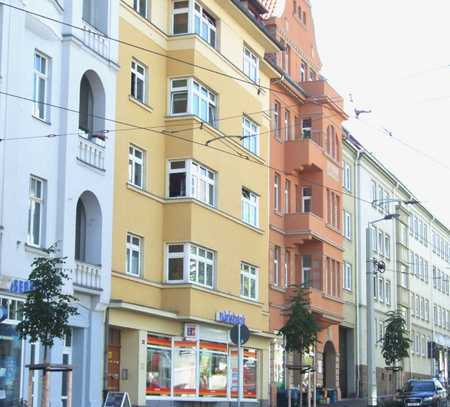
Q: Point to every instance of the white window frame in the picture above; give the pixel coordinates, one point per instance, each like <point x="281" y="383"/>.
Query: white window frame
<point x="137" y="8"/>
<point x="306" y="270"/>
<point x="134" y="161"/>
<point x="287" y="259"/>
<point x="276" y="265"/>
<point x="66" y="351"/>
<point x="199" y="179"/>
<point x="287" y="125"/>
<point x="188" y="257"/>
<point x="347" y="225"/>
<point x="307" y="128"/>
<point x="40" y="74"/>
<point x="195" y="89"/>
<point x="131" y="248"/>
<point x="381" y="290"/>
<point x="250" y="135"/>
<point x="251" y="64"/>
<point x="306" y="198"/>
<point x="388" y="292"/>
<point x="204" y="16"/>
<point x="250" y="205"/>
<point x="136" y="78"/>
<point x="348" y="276"/>
<point x="287" y="196"/>
<point x="34" y="202"/>
<point x="347" y="177"/>
<point x="387" y="246"/>
<point x="249" y="274"/>
<point x="276" y="192"/>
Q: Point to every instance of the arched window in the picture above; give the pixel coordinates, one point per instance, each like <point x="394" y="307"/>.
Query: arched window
<point x="80" y="232"/>
<point x="86" y="118"/>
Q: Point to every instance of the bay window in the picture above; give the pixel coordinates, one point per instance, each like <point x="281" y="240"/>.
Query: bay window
<point x="191" y="17"/>
<point x="140" y="6"/>
<point x="198" y="369"/>
<point x="188" y="178"/>
<point x="250" y="135"/>
<point x="306" y="128"/>
<point x="249" y="207"/>
<point x="187" y="96"/>
<point x="188" y="263"/>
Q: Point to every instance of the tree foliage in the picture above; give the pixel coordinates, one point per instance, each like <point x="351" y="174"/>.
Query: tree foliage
<point x="396" y="341"/>
<point x="300" y="330"/>
<point x="47" y="309"/>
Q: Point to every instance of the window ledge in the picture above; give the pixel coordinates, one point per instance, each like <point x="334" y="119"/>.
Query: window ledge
<point x="277" y="288"/>
<point x="140" y="104"/>
<point x="35" y="250"/>
<point x="48" y="123"/>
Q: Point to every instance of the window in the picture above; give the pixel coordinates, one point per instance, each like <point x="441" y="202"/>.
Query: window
<point x="312" y="75"/>
<point x="287" y="125"/>
<point x="250" y="135"/>
<point x="141" y="7"/>
<point x="307" y="271"/>
<point x="181" y="17"/>
<point x="191" y="179"/>
<point x="347" y="225"/>
<point x="422" y="307"/>
<point x="249" y="281"/>
<point x="373" y="192"/>
<point x="159" y="360"/>
<point x="307" y="128"/>
<point x="287" y="194"/>
<point x="380" y="242"/>
<point x="95" y="13"/>
<point x="138" y="81"/>
<point x="413" y="304"/>
<point x="276" y="265"/>
<point x="387" y="246"/>
<point x="417" y="311"/>
<point x="388" y="293"/>
<point x="347" y="276"/>
<point x="427" y="310"/>
<point x="40" y="86"/>
<point x="380" y="197"/>
<point x="373" y="238"/>
<point x="249" y="207"/>
<point x="381" y="291"/>
<point x="276" y="120"/>
<point x="134" y="250"/>
<point x="189" y="263"/>
<point x="306" y="199"/>
<point x="347" y="177"/>
<point x="276" y="193"/>
<point x="36" y="211"/>
<point x="187" y="96"/>
<point x="287" y="262"/>
<point x="251" y="65"/>
<point x="204" y="24"/>
<point x="136" y="166"/>
<point x="66" y="360"/>
<point x="303" y="69"/>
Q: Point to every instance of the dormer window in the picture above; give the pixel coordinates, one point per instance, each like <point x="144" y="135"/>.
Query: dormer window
<point x="191" y="17"/>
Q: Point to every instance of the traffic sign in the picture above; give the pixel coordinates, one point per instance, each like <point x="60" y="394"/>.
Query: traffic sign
<point x="244" y="334"/>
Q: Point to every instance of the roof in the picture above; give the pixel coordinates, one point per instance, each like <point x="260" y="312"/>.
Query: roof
<point x="275" y="8"/>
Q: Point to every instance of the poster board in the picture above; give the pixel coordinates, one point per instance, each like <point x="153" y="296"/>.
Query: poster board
<point x="117" y="399"/>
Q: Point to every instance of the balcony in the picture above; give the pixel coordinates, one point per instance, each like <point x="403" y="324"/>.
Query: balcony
<point x="96" y="40"/>
<point x="87" y="276"/>
<point x="304" y="153"/>
<point x="91" y="153"/>
<point x="321" y="91"/>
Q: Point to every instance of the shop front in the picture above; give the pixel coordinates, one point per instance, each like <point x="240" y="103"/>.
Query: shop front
<point x="189" y="362"/>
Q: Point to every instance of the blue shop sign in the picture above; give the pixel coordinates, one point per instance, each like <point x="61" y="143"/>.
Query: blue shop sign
<point x="229" y="317"/>
<point x="20" y="286"/>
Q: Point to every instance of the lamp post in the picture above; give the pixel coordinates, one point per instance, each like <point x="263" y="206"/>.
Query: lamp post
<point x="371" y="365"/>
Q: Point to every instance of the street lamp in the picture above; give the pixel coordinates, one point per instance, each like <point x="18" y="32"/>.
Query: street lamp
<point x="371" y="365"/>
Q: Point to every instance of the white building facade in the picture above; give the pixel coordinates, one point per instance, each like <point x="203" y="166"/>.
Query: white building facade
<point x="58" y="85"/>
<point x="415" y="249"/>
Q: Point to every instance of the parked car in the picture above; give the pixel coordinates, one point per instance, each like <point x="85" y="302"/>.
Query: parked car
<point x="417" y="393"/>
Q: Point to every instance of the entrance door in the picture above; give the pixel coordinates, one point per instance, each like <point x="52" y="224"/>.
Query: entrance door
<point x="34" y="358"/>
<point x="114" y="360"/>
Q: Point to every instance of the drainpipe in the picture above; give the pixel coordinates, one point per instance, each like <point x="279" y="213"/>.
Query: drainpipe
<point x="357" y="249"/>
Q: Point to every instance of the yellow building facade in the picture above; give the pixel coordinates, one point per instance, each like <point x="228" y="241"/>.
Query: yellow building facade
<point x="190" y="209"/>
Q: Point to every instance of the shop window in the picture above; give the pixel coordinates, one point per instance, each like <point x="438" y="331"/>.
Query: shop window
<point x="184" y="373"/>
<point x="159" y="359"/>
<point x="213" y="370"/>
<point x="10" y="365"/>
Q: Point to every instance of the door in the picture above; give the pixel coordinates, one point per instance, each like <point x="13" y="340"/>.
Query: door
<point x="34" y="358"/>
<point x="114" y="360"/>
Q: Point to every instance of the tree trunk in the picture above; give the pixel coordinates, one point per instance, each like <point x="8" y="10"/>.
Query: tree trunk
<point x="45" y="381"/>
<point x="301" y="379"/>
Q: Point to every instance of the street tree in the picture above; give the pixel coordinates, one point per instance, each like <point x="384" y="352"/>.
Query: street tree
<point x="47" y="309"/>
<point x="301" y="328"/>
<point x="396" y="342"/>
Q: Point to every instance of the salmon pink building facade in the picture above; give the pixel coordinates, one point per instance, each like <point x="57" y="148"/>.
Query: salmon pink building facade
<point x="306" y="223"/>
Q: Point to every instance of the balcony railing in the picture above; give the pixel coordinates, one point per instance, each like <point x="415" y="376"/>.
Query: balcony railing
<point x="91" y="153"/>
<point x="87" y="276"/>
<point x="95" y="40"/>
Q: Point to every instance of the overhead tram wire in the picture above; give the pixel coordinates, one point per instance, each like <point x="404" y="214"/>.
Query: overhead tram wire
<point x="168" y="134"/>
<point x="129" y="44"/>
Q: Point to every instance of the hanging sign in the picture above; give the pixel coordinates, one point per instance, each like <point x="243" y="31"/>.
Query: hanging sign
<point x="20" y="286"/>
<point x="117" y="399"/>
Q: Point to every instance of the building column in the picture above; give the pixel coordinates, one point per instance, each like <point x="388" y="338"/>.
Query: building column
<point x="133" y="365"/>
